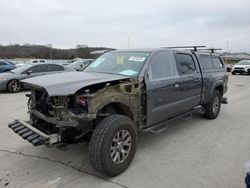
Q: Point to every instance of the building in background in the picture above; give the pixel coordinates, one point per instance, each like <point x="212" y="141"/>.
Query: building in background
<point x="235" y="57"/>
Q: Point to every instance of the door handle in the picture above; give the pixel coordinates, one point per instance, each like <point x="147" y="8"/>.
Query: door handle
<point x="177" y="84"/>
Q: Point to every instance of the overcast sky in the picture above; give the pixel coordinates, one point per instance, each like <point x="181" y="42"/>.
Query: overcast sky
<point x="147" y="23"/>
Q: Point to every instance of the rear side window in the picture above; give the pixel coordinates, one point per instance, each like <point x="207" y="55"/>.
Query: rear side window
<point x="162" y="66"/>
<point x="206" y="62"/>
<point x="39" y="68"/>
<point x="42" y="61"/>
<point x="217" y="62"/>
<point x="55" y="68"/>
<point x="185" y="64"/>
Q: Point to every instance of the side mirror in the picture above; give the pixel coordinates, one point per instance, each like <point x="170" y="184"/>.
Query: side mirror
<point x="29" y="72"/>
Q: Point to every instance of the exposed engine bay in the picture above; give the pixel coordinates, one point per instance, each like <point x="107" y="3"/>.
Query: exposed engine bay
<point x="74" y="117"/>
<point x="65" y="115"/>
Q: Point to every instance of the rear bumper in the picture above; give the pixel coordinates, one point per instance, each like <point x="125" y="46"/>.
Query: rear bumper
<point x="32" y="134"/>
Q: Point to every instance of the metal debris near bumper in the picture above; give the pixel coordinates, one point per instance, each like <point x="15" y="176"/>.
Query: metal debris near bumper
<point x="33" y="135"/>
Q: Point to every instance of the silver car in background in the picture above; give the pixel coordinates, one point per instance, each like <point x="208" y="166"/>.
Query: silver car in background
<point x="10" y="81"/>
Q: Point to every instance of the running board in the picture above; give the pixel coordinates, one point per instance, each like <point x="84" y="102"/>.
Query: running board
<point x="32" y="134"/>
<point x="161" y="127"/>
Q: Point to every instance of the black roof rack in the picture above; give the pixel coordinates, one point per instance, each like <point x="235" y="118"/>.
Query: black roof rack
<point x="211" y="49"/>
<point x="194" y="47"/>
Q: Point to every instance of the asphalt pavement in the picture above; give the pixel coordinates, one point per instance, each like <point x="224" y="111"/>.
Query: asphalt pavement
<point x="195" y="153"/>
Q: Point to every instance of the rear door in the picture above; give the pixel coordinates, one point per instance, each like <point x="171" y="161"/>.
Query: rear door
<point x="191" y="80"/>
<point x="163" y="88"/>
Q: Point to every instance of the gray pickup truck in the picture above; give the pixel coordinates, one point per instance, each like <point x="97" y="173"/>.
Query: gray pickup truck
<point x="117" y="95"/>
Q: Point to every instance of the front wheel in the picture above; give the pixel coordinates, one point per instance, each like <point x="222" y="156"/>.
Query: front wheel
<point x="14" y="86"/>
<point x="212" y="108"/>
<point x="113" y="145"/>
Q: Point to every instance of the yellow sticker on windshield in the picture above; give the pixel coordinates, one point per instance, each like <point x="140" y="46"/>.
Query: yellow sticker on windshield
<point x="119" y="59"/>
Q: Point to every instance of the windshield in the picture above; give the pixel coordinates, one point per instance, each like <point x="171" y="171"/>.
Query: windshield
<point x="124" y="63"/>
<point x="244" y="63"/>
<point x="21" y="69"/>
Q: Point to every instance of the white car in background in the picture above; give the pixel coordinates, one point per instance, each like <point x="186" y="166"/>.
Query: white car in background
<point x="241" y="67"/>
<point x="32" y="61"/>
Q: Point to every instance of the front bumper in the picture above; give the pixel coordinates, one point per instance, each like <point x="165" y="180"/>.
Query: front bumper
<point x="240" y="70"/>
<point x="32" y="134"/>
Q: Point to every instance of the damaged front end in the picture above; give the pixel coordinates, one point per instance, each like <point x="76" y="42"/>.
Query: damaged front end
<point x="54" y="120"/>
<point x="72" y="118"/>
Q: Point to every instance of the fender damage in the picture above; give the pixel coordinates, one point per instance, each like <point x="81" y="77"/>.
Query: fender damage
<point x="70" y="114"/>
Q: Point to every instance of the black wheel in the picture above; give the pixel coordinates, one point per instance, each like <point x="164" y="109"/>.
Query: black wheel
<point x="233" y="73"/>
<point x="212" y="108"/>
<point x="14" y="86"/>
<point x="113" y="145"/>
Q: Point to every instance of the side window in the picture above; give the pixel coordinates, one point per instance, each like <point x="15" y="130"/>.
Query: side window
<point x="42" y="61"/>
<point x="206" y="62"/>
<point x="162" y="66"/>
<point x="38" y="69"/>
<point x="185" y="64"/>
<point x="217" y="62"/>
<point x="55" y="68"/>
<point x="35" y="61"/>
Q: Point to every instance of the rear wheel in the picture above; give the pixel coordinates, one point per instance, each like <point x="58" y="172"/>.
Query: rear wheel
<point x="233" y="73"/>
<point x="212" y="108"/>
<point x="113" y="145"/>
<point x="14" y="86"/>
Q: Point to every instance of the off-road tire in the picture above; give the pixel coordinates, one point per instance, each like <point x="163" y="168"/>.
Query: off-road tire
<point x="11" y="86"/>
<point x="209" y="107"/>
<point x="100" y="144"/>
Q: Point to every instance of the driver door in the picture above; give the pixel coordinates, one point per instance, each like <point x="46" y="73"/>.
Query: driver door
<point x="163" y="88"/>
<point x="37" y="70"/>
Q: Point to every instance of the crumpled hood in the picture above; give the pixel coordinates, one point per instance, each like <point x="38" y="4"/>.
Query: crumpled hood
<point x="63" y="84"/>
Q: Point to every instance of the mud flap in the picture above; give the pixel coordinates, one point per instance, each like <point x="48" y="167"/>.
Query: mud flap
<point x="32" y="134"/>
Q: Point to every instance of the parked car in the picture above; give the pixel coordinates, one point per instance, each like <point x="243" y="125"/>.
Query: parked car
<point x="11" y="80"/>
<point x="242" y="67"/>
<point x="6" y="66"/>
<point x="119" y="94"/>
<point x="32" y="61"/>
<point x="79" y="65"/>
